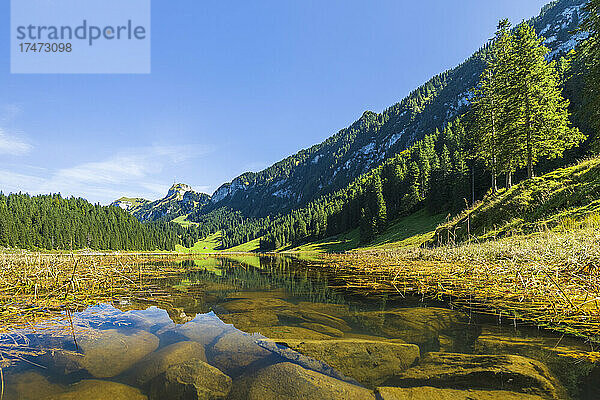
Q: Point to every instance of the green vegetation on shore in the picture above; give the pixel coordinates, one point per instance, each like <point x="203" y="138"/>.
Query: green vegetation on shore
<point x="210" y="244"/>
<point x="556" y="200"/>
<point x="55" y="223"/>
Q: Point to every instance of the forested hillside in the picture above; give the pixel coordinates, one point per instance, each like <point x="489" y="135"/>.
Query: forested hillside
<point x="519" y="121"/>
<point x="305" y="183"/>
<point x="53" y="222"/>
<point x="564" y="197"/>
<point x="375" y="137"/>
<point x="432" y="150"/>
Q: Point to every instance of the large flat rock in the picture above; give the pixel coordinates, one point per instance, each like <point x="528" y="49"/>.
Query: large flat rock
<point x="292" y="382"/>
<point x="107" y="353"/>
<point x="251" y="321"/>
<point x="254" y="304"/>
<point x="431" y="393"/>
<point x="369" y="362"/>
<point x="292" y="332"/>
<point x="98" y="390"/>
<point x="564" y="356"/>
<point x="431" y="328"/>
<point x="466" y="371"/>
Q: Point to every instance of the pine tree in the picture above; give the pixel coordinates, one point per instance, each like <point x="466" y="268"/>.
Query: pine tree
<point x="488" y="106"/>
<point x="380" y="210"/>
<point x="538" y="113"/>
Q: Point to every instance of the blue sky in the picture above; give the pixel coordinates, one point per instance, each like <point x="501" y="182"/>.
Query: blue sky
<point x="235" y="86"/>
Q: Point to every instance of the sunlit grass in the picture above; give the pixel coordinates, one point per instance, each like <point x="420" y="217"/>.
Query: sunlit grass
<point x="210" y="244"/>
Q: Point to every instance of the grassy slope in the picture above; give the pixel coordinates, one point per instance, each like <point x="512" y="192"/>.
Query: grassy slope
<point x="248" y="247"/>
<point x="181" y="220"/>
<point x="405" y="231"/>
<point x="209" y="244"/>
<point x="557" y="199"/>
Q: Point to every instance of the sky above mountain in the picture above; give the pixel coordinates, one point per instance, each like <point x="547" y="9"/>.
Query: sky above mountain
<point x="233" y="88"/>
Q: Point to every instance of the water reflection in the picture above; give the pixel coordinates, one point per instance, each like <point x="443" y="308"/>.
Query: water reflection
<point x="271" y="327"/>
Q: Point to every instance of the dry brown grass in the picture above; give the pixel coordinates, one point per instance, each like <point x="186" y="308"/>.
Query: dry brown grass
<point x="550" y="279"/>
<point x="35" y="287"/>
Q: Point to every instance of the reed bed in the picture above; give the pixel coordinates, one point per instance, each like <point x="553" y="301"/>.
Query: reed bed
<point x="550" y="279"/>
<point x="35" y="286"/>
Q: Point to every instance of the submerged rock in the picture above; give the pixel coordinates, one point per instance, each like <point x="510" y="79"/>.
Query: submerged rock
<point x="292" y="332"/>
<point x="190" y="380"/>
<point x="204" y="332"/>
<point x="107" y="353"/>
<point x="431" y="328"/>
<point x="466" y="371"/>
<point x="431" y="393"/>
<point x="156" y="363"/>
<point x="236" y="350"/>
<point x="98" y="390"/>
<point x="325" y="319"/>
<point x="305" y="361"/>
<point x="29" y="386"/>
<point x="255" y="304"/>
<point x="290" y="381"/>
<point x="324" y="329"/>
<point x="250" y="321"/>
<point x="564" y="356"/>
<point x="369" y="362"/>
<point x="337" y="310"/>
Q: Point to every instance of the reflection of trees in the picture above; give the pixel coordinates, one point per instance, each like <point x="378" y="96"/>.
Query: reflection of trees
<point x="259" y="273"/>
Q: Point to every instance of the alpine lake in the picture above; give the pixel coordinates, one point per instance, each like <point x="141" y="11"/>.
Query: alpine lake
<point x="277" y="327"/>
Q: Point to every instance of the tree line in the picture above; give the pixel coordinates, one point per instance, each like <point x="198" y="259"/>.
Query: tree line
<point x="57" y="223"/>
<point x="518" y="111"/>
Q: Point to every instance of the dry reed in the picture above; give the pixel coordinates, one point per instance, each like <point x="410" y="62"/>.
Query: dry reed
<point x="551" y="279"/>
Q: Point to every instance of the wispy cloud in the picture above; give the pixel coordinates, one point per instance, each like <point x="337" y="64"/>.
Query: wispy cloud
<point x="9" y="112"/>
<point x="12" y="144"/>
<point x="133" y="172"/>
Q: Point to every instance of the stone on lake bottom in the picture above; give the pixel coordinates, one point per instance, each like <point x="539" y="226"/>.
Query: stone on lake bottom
<point x="29" y="386"/>
<point x="292" y="382"/>
<point x="431" y="393"/>
<point x="292" y="332"/>
<point x="191" y="380"/>
<point x="236" y="350"/>
<point x="93" y="389"/>
<point x="467" y="371"/>
<point x="107" y="353"/>
<point x="369" y="362"/>
<point x="156" y="363"/>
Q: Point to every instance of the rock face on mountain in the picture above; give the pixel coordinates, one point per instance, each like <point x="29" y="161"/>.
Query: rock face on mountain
<point x="130" y="204"/>
<point x="181" y="199"/>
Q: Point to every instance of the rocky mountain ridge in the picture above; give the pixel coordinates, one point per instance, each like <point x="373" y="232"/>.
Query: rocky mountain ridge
<point x="180" y="200"/>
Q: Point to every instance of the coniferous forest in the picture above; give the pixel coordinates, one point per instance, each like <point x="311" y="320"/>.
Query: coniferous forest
<point x="53" y="222"/>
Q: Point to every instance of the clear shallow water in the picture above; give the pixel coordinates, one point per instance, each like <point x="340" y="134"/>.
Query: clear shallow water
<point x="272" y="327"/>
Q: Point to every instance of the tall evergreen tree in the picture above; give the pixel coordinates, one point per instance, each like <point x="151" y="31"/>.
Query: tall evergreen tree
<point x="489" y="103"/>
<point x="538" y="113"/>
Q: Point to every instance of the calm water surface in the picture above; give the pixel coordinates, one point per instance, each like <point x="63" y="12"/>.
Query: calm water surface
<point x="276" y="328"/>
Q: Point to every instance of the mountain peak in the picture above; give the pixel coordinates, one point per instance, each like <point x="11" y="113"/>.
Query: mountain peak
<point x="179" y="189"/>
